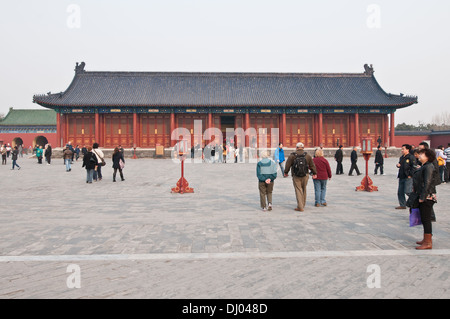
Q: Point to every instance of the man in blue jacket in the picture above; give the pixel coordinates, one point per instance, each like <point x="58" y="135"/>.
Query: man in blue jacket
<point x="266" y="171"/>
<point x="279" y="157"/>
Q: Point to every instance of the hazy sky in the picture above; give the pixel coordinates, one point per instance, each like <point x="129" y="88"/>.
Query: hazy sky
<point x="406" y="41"/>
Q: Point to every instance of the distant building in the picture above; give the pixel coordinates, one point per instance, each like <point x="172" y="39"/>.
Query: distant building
<point x="433" y="138"/>
<point x="142" y="109"/>
<point x="28" y="127"/>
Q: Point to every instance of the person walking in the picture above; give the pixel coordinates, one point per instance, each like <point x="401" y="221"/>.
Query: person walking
<point x="300" y="164"/>
<point x="14" y="155"/>
<point x="339" y="156"/>
<point x="405" y="167"/>
<point x="3" y="151"/>
<point x="67" y="155"/>
<point x="48" y="153"/>
<point x="279" y="157"/>
<point x="323" y="175"/>
<point x="379" y="161"/>
<point x="117" y="157"/>
<point x="354" y="159"/>
<point x="424" y="188"/>
<point x="90" y="163"/>
<point x="266" y="171"/>
<point x="100" y="159"/>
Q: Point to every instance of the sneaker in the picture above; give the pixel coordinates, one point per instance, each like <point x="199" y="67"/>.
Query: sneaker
<point x="264" y="209"/>
<point x="324" y="204"/>
<point x="317" y="205"/>
<point x="270" y="206"/>
<point x="298" y="209"/>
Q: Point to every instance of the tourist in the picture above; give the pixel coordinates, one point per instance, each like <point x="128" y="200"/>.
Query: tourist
<point x="425" y="146"/>
<point x="39" y="153"/>
<point x="266" y="171"/>
<point x="279" y="157"/>
<point x="379" y="161"/>
<point x="323" y="175"/>
<point x="8" y="150"/>
<point x="77" y="153"/>
<point x="447" y="163"/>
<point x="3" y="151"/>
<point x="339" y="156"/>
<point x="354" y="159"/>
<point x="300" y="164"/>
<point x="90" y="163"/>
<point x="48" y="153"/>
<point x="67" y="156"/>
<point x="117" y="157"/>
<point x="100" y="159"/>
<point x="15" y="153"/>
<point x="405" y="172"/>
<point x="84" y="150"/>
<point x="441" y="159"/>
<point x="425" y="190"/>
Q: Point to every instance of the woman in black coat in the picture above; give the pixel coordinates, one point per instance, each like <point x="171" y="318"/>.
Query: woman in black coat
<point x="424" y="188"/>
<point x="117" y="157"/>
<point x="90" y="162"/>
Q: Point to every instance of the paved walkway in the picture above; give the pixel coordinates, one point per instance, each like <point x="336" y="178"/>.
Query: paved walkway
<point x="135" y="239"/>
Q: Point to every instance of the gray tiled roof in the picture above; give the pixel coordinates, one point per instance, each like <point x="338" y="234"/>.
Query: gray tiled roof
<point x="223" y="89"/>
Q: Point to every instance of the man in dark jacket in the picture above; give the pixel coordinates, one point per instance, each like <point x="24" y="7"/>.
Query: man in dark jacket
<point x="354" y="159"/>
<point x="339" y="156"/>
<point x="405" y="173"/>
<point x="379" y="161"/>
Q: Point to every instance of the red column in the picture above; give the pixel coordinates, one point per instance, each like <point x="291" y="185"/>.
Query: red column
<point x="172" y="128"/>
<point x="386" y="130"/>
<point x="135" y="130"/>
<point x="392" y="137"/>
<point x="320" y="129"/>
<point x="283" y="128"/>
<point x="210" y="122"/>
<point x="357" y="142"/>
<point x="247" y="126"/>
<point x="96" y="128"/>
<point x="58" y="130"/>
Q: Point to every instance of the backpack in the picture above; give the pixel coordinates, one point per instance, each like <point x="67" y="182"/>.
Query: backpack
<point x="300" y="166"/>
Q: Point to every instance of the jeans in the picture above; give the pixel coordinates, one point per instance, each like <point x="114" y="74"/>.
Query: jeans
<point x="282" y="167"/>
<point x="98" y="173"/>
<point x="14" y="164"/>
<point x="89" y="174"/>
<point x="67" y="162"/>
<point x="320" y="190"/>
<point x="404" y="188"/>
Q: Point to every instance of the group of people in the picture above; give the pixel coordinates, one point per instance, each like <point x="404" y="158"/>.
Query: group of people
<point x="301" y="165"/>
<point x="6" y="151"/>
<point x="94" y="160"/>
<point x="419" y="175"/>
<point x="419" y="172"/>
<point x="218" y="153"/>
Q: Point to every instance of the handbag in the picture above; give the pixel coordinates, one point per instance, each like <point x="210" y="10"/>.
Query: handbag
<point x="103" y="163"/>
<point x="121" y="164"/>
<point x="414" y="217"/>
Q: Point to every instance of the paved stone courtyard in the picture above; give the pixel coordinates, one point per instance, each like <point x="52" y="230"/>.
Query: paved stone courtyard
<point x="135" y="239"/>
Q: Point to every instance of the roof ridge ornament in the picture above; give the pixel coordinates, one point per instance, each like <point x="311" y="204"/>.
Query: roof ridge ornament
<point x="79" y="68"/>
<point x="368" y="70"/>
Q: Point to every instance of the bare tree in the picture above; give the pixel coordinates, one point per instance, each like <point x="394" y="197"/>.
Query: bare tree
<point x="441" y="121"/>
